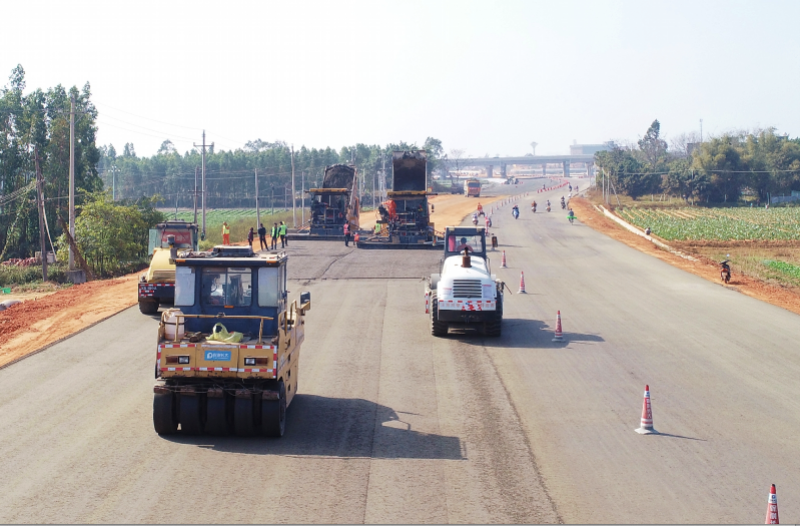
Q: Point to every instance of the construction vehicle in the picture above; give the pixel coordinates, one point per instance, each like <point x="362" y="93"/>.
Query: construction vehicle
<point x="472" y="188"/>
<point x="227" y="354"/>
<point x="333" y="205"/>
<point x="404" y="218"/>
<point x="157" y="285"/>
<point x="465" y="295"/>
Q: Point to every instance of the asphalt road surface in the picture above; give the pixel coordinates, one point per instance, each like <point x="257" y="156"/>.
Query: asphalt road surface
<point x="394" y="425"/>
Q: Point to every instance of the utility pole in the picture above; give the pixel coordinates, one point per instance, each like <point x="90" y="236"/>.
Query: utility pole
<point x="40" y="193"/>
<point x="71" y="179"/>
<point x="383" y="176"/>
<point x="258" y="209"/>
<point x="294" y="219"/>
<point x="114" y="182"/>
<point x="196" y="169"/>
<point x="203" y="184"/>
<point x="303" y="197"/>
<point x="373" y="190"/>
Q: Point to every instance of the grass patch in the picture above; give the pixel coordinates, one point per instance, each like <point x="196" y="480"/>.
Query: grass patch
<point x="785" y="268"/>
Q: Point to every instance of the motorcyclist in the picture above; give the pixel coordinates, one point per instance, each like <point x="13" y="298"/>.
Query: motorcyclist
<point x="571" y="215"/>
<point x="533" y="206"/>
<point x="515" y="211"/>
<point x="563" y="203"/>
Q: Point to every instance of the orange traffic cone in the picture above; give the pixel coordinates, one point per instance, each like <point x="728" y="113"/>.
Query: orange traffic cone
<point x="559" y="337"/>
<point x="646" y="427"/>
<point x="357" y="237"/>
<point x="521" y="283"/>
<point x="503" y="260"/>
<point x="772" y="507"/>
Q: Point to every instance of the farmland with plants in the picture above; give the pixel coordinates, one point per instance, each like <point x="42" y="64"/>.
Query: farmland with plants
<point x="762" y="243"/>
<point x="717" y="224"/>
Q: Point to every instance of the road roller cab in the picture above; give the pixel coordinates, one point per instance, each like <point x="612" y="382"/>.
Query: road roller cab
<point x="227" y="354"/>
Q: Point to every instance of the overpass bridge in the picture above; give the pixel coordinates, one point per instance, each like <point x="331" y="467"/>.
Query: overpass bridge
<point x="529" y="160"/>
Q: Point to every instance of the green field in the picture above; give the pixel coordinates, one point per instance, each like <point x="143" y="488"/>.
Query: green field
<point x="239" y="221"/>
<point x="717" y="224"/>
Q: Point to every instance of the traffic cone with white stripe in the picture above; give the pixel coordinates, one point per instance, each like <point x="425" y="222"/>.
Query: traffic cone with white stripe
<point x="559" y="337"/>
<point x="772" y="507"/>
<point x="646" y="427"/>
<point x="503" y="260"/>
<point x="521" y="283"/>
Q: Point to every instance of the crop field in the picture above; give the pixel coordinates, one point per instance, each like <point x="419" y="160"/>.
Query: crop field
<point x="717" y="224"/>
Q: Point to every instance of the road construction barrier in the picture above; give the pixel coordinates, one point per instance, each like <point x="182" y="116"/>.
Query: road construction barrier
<point x="503" y="260"/>
<point x="521" y="283"/>
<point x="646" y="426"/>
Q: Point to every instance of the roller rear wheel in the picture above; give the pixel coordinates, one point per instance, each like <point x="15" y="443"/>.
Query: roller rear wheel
<point x="191" y="416"/>
<point x="243" y="421"/>
<point x="273" y="414"/>
<point x="438" y="328"/>
<point x="164" y="420"/>
<point x="148" y="306"/>
<point x="217" y="417"/>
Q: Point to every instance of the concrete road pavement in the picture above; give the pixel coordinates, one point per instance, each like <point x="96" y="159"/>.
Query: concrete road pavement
<point x="393" y="425"/>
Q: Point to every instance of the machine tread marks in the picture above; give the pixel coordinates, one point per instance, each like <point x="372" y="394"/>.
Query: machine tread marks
<point x="164" y="420"/>
<point x="273" y="414"/>
<point x="148" y="306"/>
<point x="438" y="328"/>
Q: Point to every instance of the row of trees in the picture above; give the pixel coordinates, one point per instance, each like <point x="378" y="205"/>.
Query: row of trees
<point x="37" y="124"/>
<point x="230" y="180"/>
<point x="721" y="169"/>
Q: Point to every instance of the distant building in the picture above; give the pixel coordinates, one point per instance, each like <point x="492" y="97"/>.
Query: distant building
<point x="589" y="149"/>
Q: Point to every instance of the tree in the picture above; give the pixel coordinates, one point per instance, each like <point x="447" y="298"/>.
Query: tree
<point x="653" y="148"/>
<point x="166" y="148"/>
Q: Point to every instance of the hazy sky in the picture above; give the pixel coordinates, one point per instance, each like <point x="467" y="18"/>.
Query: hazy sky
<point x="487" y="77"/>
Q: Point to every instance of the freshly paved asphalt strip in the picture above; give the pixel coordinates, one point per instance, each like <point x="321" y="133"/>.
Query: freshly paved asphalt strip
<point x="394" y="425"/>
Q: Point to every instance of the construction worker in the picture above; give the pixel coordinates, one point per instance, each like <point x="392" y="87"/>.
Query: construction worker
<point x="346" y="229"/>
<point x="274" y="235"/>
<point x="262" y="237"/>
<point x="226" y="233"/>
<point x="250" y="236"/>
<point x="282" y="232"/>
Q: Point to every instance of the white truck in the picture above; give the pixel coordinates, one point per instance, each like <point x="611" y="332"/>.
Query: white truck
<point x="465" y="295"/>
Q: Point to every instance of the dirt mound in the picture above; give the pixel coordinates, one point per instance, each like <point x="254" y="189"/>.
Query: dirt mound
<point x="36" y="323"/>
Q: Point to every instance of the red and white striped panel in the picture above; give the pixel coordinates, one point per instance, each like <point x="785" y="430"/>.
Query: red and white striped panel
<point x="174" y="369"/>
<point x="467" y="305"/>
<point x="216" y="369"/>
<point x="274" y="349"/>
<point x="170" y="346"/>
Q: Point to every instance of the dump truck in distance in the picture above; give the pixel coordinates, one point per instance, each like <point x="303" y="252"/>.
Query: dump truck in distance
<point x="227" y="355"/>
<point x="472" y="188"/>
<point x="157" y="285"/>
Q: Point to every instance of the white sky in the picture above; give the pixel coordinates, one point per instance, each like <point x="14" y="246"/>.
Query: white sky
<point x="487" y="77"/>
